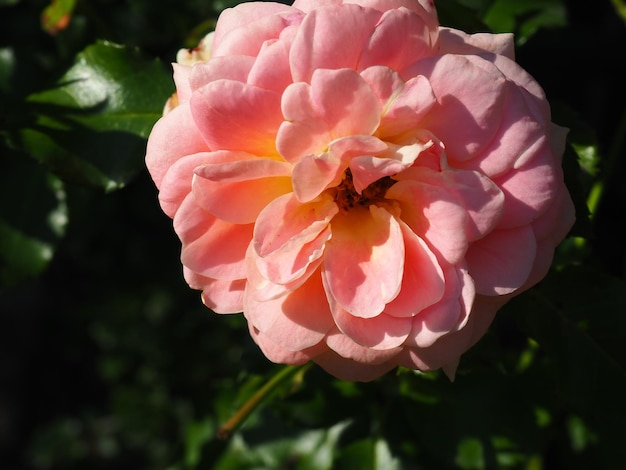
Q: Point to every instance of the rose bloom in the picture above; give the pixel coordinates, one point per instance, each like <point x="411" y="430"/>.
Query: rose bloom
<point x="366" y="186"/>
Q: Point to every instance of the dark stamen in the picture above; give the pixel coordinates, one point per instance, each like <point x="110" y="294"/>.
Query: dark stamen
<point x="347" y="197"/>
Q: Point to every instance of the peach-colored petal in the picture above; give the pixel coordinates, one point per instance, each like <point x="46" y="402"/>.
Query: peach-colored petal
<point x="262" y="289"/>
<point x="176" y="182"/>
<point x="366" y="169"/>
<point x="453" y="41"/>
<point x="400" y="38"/>
<point x="448" y="315"/>
<point x="347" y="369"/>
<point x="296" y="321"/>
<point x="315" y="173"/>
<point x="248" y="167"/>
<point x="477" y="109"/>
<point x="280" y="355"/>
<point x="287" y="221"/>
<point x="530" y="90"/>
<point x="381" y="332"/>
<point x="289" y="236"/>
<point x="228" y="114"/>
<point x="294" y="259"/>
<point x="447" y="349"/>
<point x="529" y="191"/>
<point x="220" y="296"/>
<point x="482" y="198"/>
<point x="173" y="137"/>
<point x="438" y="217"/>
<point x="271" y="67"/>
<point x="181" y="79"/>
<point x="234" y="68"/>
<point x="238" y="190"/>
<point x="364" y="261"/>
<point x="346" y="347"/>
<point x="501" y="262"/>
<point x="422" y="280"/>
<point x="309" y="5"/>
<point x="554" y="224"/>
<point x="331" y="37"/>
<point x="242" y="30"/>
<point x="519" y="138"/>
<point x="211" y="247"/>
<point x="407" y="107"/>
<point x="337" y="103"/>
<point x="424" y="8"/>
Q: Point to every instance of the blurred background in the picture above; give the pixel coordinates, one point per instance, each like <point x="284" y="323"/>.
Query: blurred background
<point x="109" y="361"/>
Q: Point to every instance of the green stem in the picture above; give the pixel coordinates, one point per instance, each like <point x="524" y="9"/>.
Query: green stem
<point x="236" y="420"/>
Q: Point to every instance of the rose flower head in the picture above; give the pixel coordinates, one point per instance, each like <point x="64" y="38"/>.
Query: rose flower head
<point x="366" y="186"/>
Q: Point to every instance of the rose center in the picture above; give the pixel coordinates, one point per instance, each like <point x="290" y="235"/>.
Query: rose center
<point x="347" y="196"/>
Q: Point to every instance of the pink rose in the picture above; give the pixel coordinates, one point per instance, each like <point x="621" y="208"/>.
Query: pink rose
<point x="366" y="186"/>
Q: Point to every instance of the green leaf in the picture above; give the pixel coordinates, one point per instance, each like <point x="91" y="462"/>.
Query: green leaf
<point x="197" y="434"/>
<point x="470" y="454"/>
<point x="525" y="18"/>
<point x="369" y="454"/>
<point x="308" y="450"/>
<point x="577" y="317"/>
<point x="33" y="217"/>
<point x="91" y="127"/>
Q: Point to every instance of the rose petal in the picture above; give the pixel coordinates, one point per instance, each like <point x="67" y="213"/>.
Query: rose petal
<point x="422" y="280"/>
<point x="280" y="355"/>
<point x="212" y="247"/>
<point x="400" y="38"/>
<point x="501" y="262"/>
<point x="434" y="213"/>
<point x="346" y="347"/>
<point x="555" y="223"/>
<point x="482" y="198"/>
<point x="289" y="236"/>
<point x="296" y="321"/>
<point x="271" y="67"/>
<point x="519" y="138"/>
<point x="242" y="30"/>
<point x="367" y="169"/>
<point x="227" y="113"/>
<point x="220" y="296"/>
<point x="448" y="315"/>
<point x="176" y="182"/>
<point x="181" y="79"/>
<point x="331" y="37"/>
<point x="173" y="136"/>
<point x="381" y="332"/>
<point x="447" y="350"/>
<point x="528" y="191"/>
<point x="364" y="261"/>
<point x="453" y="41"/>
<point x="337" y="103"/>
<point x="315" y="173"/>
<point x="477" y="109"/>
<point x="234" y="68"/>
<point x="347" y="369"/>
<point x="238" y="190"/>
